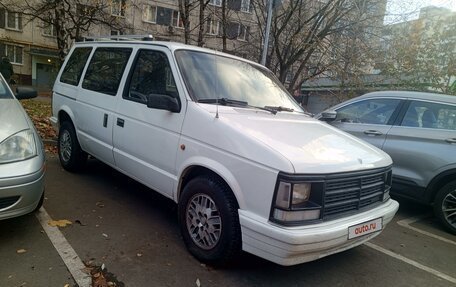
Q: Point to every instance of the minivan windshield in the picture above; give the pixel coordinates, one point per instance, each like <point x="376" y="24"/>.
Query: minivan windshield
<point x="5" y="92"/>
<point x="211" y="78"/>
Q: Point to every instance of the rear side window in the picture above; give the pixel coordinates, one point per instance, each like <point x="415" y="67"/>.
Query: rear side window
<point x="73" y="70"/>
<point x="105" y="70"/>
<point x="430" y="115"/>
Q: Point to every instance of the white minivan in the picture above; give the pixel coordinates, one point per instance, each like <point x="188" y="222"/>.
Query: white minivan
<point x="219" y="135"/>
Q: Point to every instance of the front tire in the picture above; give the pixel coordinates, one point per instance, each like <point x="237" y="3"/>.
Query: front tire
<point x="445" y="206"/>
<point x="209" y="220"/>
<point x="72" y="157"/>
<point x="40" y="203"/>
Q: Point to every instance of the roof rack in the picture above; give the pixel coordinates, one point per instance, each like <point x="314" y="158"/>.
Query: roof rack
<point x="120" y="38"/>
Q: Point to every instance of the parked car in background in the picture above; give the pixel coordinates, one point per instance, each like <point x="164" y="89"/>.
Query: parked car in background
<point x="418" y="131"/>
<point x="219" y="135"/>
<point x="22" y="157"/>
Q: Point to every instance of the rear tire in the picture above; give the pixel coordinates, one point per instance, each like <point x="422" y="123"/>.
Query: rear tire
<point x="445" y="206"/>
<point x="209" y="220"/>
<point x="72" y="157"/>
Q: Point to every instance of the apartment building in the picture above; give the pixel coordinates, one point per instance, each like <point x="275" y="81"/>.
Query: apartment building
<point x="31" y="45"/>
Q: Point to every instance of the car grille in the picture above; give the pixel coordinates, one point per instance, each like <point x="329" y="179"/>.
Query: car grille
<point x="8" y="201"/>
<point x="354" y="191"/>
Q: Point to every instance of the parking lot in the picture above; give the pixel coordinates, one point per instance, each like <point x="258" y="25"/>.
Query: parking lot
<point x="133" y="232"/>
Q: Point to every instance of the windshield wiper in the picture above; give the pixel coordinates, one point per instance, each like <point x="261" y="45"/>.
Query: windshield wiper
<point x="279" y="108"/>
<point x="230" y="102"/>
<point x="223" y="102"/>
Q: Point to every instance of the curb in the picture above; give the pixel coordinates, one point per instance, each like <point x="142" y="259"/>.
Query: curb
<point x="50" y="142"/>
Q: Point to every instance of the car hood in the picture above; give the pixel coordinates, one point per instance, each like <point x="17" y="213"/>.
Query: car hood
<point x="311" y="146"/>
<point x="12" y="118"/>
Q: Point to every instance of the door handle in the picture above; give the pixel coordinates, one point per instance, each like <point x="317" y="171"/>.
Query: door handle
<point x="120" y="122"/>
<point x="451" y="141"/>
<point x="105" y="120"/>
<point x="373" y="133"/>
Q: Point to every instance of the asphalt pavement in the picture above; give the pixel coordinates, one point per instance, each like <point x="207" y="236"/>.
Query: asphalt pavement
<point x="133" y="233"/>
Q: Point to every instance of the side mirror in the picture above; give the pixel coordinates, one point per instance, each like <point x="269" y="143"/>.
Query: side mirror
<point x="329" y="115"/>
<point x="23" y="93"/>
<point x="163" y="102"/>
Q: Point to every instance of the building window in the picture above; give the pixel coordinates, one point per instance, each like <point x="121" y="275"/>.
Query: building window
<point x="150" y="14"/>
<point x="118" y="8"/>
<point x="245" y="6"/>
<point x="216" y="2"/>
<point x="13" y="52"/>
<point x="13" y="20"/>
<point x="213" y="26"/>
<point x="177" y="20"/>
<point x="49" y="30"/>
<point x="243" y="34"/>
<point x="85" y="11"/>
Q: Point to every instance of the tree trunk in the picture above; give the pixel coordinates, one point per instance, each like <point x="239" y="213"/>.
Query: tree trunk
<point x="62" y="43"/>
<point x="202" y="7"/>
<point x="224" y="49"/>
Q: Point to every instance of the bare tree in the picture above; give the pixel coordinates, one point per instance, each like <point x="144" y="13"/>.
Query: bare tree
<point x="71" y="19"/>
<point x="303" y="34"/>
<point x="186" y="8"/>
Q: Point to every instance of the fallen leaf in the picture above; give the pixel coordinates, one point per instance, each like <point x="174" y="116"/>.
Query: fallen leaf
<point x="59" y="223"/>
<point x="66" y="285"/>
<point x="139" y="254"/>
<point x="100" y="204"/>
<point x="103" y="267"/>
<point x="21" y="251"/>
<point x="105" y="235"/>
<point x="198" y="284"/>
<point x="100" y="281"/>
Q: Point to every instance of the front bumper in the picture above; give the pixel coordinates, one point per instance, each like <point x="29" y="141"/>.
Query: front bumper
<point x="294" y="245"/>
<point x="20" y="195"/>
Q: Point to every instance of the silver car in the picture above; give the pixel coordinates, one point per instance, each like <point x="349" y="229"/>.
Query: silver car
<point x="22" y="158"/>
<point x="418" y="131"/>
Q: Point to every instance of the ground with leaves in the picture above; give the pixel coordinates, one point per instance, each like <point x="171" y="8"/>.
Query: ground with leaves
<point x="39" y="111"/>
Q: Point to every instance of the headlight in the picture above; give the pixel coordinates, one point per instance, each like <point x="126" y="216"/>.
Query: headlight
<point x="296" y="202"/>
<point x="388" y="183"/>
<point x="17" y="147"/>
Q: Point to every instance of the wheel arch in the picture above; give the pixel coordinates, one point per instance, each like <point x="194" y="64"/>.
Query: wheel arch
<point x="438" y="182"/>
<point x="65" y="114"/>
<point x="209" y="167"/>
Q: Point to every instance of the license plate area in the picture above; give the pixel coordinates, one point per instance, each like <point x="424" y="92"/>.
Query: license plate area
<point x="365" y="228"/>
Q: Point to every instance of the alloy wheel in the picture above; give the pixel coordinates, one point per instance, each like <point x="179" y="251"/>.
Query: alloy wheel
<point x="204" y="223"/>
